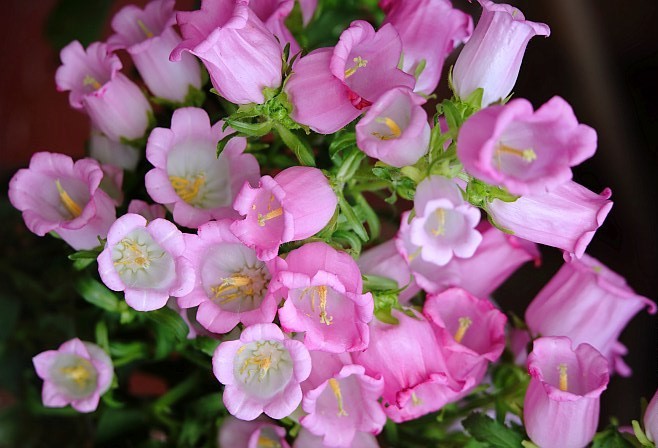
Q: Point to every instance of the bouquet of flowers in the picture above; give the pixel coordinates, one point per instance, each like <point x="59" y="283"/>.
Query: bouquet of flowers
<point x="305" y="241"/>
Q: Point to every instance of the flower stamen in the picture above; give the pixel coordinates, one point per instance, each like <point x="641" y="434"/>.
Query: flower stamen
<point x="91" y="81"/>
<point x="185" y="188"/>
<point x="441" y="228"/>
<point x="393" y="127"/>
<point x="269" y="215"/>
<point x="359" y="62"/>
<point x="142" y="26"/>
<point x="564" y="379"/>
<point x="464" y="323"/>
<point x="335" y="388"/>
<point x="71" y="206"/>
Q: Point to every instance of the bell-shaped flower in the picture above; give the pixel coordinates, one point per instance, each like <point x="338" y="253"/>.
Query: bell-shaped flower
<point x="330" y="87"/>
<point x="273" y="14"/>
<point x="409" y="358"/>
<point x="384" y="260"/>
<point x="651" y="419"/>
<point x="57" y="195"/>
<point x="492" y="57"/>
<point x="112" y="183"/>
<point x="524" y="151"/>
<point x="429" y="30"/>
<point x="471" y="332"/>
<point x="444" y="224"/>
<point x="259" y="433"/>
<point x="566" y="217"/>
<point x="232" y="285"/>
<point x="587" y="302"/>
<point x="77" y="373"/>
<point x="261" y="372"/>
<point x="148" y="211"/>
<point x="324" y="298"/>
<point x="296" y="204"/>
<point x="395" y="129"/>
<point x="306" y="439"/>
<point x="149" y="37"/>
<point x="110" y="152"/>
<point x="146" y="261"/>
<point x="241" y="55"/>
<point x="561" y="406"/>
<point x="115" y="105"/>
<point x="343" y="405"/>
<point x="188" y="176"/>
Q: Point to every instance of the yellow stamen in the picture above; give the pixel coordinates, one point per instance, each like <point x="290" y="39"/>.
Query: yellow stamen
<point x="415" y="254"/>
<point x="186" y="189"/>
<point x="269" y="215"/>
<point x="91" y="81"/>
<point x="320" y="291"/>
<point x="241" y="285"/>
<point x="415" y="400"/>
<point x="391" y="125"/>
<point x="564" y="380"/>
<point x="464" y="323"/>
<point x="528" y="155"/>
<point x="144" y="29"/>
<point x="441" y="216"/>
<point x="266" y="442"/>
<point x="359" y="63"/>
<point x="138" y="255"/>
<point x="78" y="373"/>
<point x="335" y="388"/>
<point x="263" y="363"/>
<point x="71" y="206"/>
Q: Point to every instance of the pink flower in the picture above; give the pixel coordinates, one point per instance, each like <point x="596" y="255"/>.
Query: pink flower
<point x="77" y="373"/>
<point x="491" y="59"/>
<point x="112" y="183"/>
<point x="324" y="298"/>
<point x="429" y="30"/>
<point x="149" y="37"/>
<point x="524" y="151"/>
<point x="587" y="302"/>
<point x="145" y="261"/>
<point x="150" y="212"/>
<point x="651" y="419"/>
<point x="308" y="9"/>
<point x="261" y="372"/>
<point x="566" y="217"/>
<point x="57" y="195"/>
<point x="294" y="205"/>
<point x="343" y="405"/>
<point x="561" y="406"/>
<point x="116" y="106"/>
<point x="258" y="433"/>
<point x="241" y="55"/>
<point x="444" y="224"/>
<point x="306" y="439"/>
<point x="110" y="152"/>
<point x="273" y="14"/>
<point x="188" y="176"/>
<point x="232" y="285"/>
<point x="395" y="129"/>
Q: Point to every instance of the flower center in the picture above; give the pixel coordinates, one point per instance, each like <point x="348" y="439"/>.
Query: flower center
<point x="264" y="441"/>
<point x="142" y="26"/>
<point x="187" y="189"/>
<point x="320" y="292"/>
<point x="335" y="388"/>
<point x="441" y="222"/>
<point x="464" y="323"/>
<point x="415" y="400"/>
<point x="564" y="379"/>
<point x="269" y="215"/>
<point x="359" y="62"/>
<point x="392" y="126"/>
<point x="91" y="81"/>
<point x="71" y="206"/>
<point x="134" y="255"/>
<point x="260" y="360"/>
<point x="74" y="374"/>
<point x="528" y="155"/>
<point x="248" y="284"/>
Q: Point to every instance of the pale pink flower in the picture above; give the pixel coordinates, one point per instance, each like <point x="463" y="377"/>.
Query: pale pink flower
<point x="110" y="152"/>
<point x="116" y="106"/>
<point x="241" y="55"/>
<point x="57" y="195"/>
<point x="525" y="151"/>
<point x="561" y="407"/>
<point x="306" y="439"/>
<point x="395" y="129"/>
<point x="273" y="14"/>
<point x="296" y="204"/>
<point x="77" y="373"/>
<point x="308" y="9"/>
<point x="491" y="59"/>
<point x="587" y="302"/>
<point x="148" y="211"/>
<point x="112" y="183"/>
<point x="259" y="433"/>
<point x="651" y="419"/>
<point x="188" y="176"/>
<point x="146" y="261"/>
<point x="324" y="298"/>
<point x="261" y="372"/>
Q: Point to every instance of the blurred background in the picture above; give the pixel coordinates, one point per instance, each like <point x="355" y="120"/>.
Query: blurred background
<point x="601" y="56"/>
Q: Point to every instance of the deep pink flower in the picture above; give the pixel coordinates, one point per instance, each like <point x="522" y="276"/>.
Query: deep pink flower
<point x="232" y="285"/>
<point x="651" y="419"/>
<point x="110" y="152"/>
<point x="525" y="151"/>
<point x="395" y="129"/>
<point x="77" y="373"/>
<point x="116" y="106"/>
<point x="146" y="261"/>
<point x="149" y="37"/>
<point x="561" y="407"/>
<point x="188" y="176"/>
<point x="259" y="433"/>
<point x="148" y="211"/>
<point x="324" y="298"/>
<point x="261" y="372"/>
<point x="296" y="204"/>
<point x="429" y="30"/>
<point x="273" y="14"/>
<point x="491" y="59"/>
<point x="587" y="302"/>
<point x="566" y="217"/>
<point x="57" y="195"/>
<point x="241" y="55"/>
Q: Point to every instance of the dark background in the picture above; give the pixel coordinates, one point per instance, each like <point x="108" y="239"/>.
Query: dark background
<point x="602" y="56"/>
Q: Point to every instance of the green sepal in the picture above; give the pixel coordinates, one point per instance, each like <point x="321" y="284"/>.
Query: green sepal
<point x="480" y="193"/>
<point x="350" y="165"/>
<point x="419" y="68"/>
<point x="611" y="438"/>
<point x="640" y="435"/>
<point x="494" y="434"/>
<point x="257" y="129"/>
<point x="297" y="144"/>
<point x="351" y="239"/>
<point x="378" y="283"/>
<point x="475" y="99"/>
<point x="221" y="145"/>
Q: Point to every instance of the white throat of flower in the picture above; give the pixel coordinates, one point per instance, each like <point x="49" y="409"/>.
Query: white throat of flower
<point x="74" y="375"/>
<point x="263" y="367"/>
<point x="141" y="262"/>
<point x="242" y="290"/>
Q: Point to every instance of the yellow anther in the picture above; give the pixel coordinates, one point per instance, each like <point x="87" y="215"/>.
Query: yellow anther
<point x="77" y="373"/>
<point x="142" y="26"/>
<point x="186" y="189"/>
<point x="464" y="323"/>
<point x="137" y="255"/>
<point x="91" y="81"/>
<point x="262" y="363"/>
<point x="392" y="126"/>
<point x="415" y="400"/>
<point x="415" y="254"/>
<point x="441" y="227"/>
<point x="233" y="287"/>
<point x="269" y="215"/>
<point x="266" y="442"/>
<point x="335" y="388"/>
<point x="71" y="206"/>
<point x="320" y="291"/>
<point x="564" y="380"/>
<point x="528" y="155"/>
<point x="359" y="62"/>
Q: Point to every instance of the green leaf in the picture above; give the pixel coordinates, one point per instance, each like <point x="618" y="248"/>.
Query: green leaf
<point x="372" y="219"/>
<point x="350" y="165"/>
<point x="350" y="238"/>
<point x="221" y="145"/>
<point x="353" y="221"/>
<point x="97" y="294"/>
<point x="610" y="438"/>
<point x="378" y="283"/>
<point x="487" y="430"/>
<point x="342" y="142"/>
<point x="205" y="344"/>
<point x="86" y="254"/>
<point x="257" y="129"/>
<point x="297" y="144"/>
<point x="171" y="321"/>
